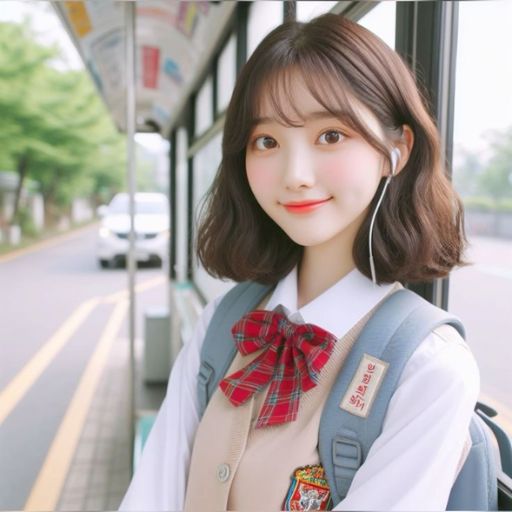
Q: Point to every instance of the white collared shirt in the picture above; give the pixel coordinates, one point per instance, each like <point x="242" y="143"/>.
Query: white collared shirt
<point x="413" y="463"/>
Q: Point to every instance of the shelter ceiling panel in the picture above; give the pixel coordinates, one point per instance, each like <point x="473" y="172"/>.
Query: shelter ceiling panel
<point x="174" y="43"/>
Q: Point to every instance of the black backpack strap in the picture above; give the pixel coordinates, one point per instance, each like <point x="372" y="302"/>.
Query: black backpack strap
<point x="219" y="349"/>
<point x="398" y="325"/>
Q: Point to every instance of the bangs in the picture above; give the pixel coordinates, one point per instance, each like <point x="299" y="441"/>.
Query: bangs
<point x="324" y="82"/>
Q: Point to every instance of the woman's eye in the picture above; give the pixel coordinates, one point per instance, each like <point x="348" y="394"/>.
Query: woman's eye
<point x="265" y="142"/>
<point x="331" y="137"/>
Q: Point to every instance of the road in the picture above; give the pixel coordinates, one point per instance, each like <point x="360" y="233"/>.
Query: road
<point x="54" y="305"/>
<point x="481" y="295"/>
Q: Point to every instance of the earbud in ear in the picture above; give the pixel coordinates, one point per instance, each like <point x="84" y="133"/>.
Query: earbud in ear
<point x="395" y="156"/>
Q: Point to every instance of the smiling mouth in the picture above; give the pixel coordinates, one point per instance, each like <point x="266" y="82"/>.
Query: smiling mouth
<point x="305" y="206"/>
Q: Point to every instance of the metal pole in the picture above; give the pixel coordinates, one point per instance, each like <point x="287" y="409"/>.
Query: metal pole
<point x="130" y="148"/>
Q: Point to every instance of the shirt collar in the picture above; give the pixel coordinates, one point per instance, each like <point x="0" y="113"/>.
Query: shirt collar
<point x="338" y="308"/>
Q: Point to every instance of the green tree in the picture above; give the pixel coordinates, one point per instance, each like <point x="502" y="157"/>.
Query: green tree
<point x="21" y="122"/>
<point x="466" y="176"/>
<point x="496" y="180"/>
<point x="53" y="126"/>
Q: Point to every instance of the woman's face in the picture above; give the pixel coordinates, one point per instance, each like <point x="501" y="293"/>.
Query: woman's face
<point x="315" y="181"/>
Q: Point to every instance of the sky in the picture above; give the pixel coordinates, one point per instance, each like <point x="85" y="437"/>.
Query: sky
<point x="47" y="26"/>
<point x="483" y="100"/>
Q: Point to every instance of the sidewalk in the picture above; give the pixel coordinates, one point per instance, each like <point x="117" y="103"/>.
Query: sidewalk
<point x="28" y="245"/>
<point x="100" y="470"/>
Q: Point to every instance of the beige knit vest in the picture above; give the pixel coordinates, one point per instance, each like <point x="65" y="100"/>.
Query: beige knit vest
<point x="237" y="467"/>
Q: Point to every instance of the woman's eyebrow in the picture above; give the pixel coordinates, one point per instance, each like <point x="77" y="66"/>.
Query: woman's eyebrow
<point x="312" y="116"/>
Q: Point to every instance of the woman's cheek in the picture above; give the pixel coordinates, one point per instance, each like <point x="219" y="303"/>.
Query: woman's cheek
<point x="338" y="175"/>
<point x="355" y="170"/>
<point x="257" y="176"/>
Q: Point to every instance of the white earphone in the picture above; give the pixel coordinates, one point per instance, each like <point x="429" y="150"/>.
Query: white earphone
<point x="395" y="157"/>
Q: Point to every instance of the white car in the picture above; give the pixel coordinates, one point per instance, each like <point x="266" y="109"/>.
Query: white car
<point x="151" y="224"/>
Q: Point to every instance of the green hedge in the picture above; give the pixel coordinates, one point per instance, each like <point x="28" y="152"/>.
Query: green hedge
<point x="488" y="204"/>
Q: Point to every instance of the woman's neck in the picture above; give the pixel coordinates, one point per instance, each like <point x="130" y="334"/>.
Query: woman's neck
<point x="320" y="268"/>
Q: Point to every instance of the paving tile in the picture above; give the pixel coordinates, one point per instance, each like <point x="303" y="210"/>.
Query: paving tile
<point x="99" y="490"/>
<point x="96" y="502"/>
<point x="100" y="471"/>
<point x="77" y="481"/>
<point x="85" y="451"/>
<point x="90" y="430"/>
<point x="73" y="503"/>
<point x="113" y="502"/>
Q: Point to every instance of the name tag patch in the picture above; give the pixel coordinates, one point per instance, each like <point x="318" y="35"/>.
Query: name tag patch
<point x="364" y="386"/>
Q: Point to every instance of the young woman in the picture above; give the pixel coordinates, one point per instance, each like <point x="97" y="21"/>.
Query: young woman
<point x="332" y="190"/>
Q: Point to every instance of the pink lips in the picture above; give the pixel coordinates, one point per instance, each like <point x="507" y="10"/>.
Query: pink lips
<point x="304" y="206"/>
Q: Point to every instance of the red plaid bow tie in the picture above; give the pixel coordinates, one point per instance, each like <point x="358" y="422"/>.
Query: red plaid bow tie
<point x="291" y="361"/>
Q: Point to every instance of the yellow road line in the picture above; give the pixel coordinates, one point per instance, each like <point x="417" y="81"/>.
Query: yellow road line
<point x="42" y="245"/>
<point x="11" y="395"/>
<point x="141" y="287"/>
<point x="47" y="488"/>
<point x="21" y="383"/>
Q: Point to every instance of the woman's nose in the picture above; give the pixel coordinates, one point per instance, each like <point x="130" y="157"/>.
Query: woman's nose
<point x="298" y="171"/>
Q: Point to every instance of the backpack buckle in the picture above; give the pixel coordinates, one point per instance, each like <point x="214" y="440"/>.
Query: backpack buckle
<point x="347" y="459"/>
<point x="203" y="380"/>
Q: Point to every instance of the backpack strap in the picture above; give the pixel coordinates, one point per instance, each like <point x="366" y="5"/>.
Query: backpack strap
<point x="476" y="485"/>
<point x="503" y="439"/>
<point x="219" y="349"/>
<point x="399" y="324"/>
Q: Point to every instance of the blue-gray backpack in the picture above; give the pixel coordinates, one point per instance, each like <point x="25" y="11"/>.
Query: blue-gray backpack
<point x="396" y="328"/>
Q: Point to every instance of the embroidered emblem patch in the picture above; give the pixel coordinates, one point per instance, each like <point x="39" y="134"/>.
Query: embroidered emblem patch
<point x="364" y="386"/>
<point x="309" y="490"/>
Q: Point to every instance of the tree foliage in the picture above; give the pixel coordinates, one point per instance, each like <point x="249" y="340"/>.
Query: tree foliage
<point x="487" y="181"/>
<point x="53" y="126"/>
<point x="496" y="181"/>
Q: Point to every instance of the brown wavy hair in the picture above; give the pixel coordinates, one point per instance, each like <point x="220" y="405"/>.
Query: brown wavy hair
<point x="418" y="233"/>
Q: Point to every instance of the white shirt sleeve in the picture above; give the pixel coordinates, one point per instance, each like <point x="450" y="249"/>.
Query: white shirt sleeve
<point x="413" y="464"/>
<point x="160" y="480"/>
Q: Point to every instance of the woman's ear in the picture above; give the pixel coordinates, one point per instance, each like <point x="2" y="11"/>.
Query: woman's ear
<point x="404" y="144"/>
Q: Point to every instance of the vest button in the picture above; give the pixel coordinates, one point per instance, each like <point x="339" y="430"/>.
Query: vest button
<point x="223" y="472"/>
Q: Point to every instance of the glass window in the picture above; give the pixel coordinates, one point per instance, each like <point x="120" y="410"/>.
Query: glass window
<point x="204" y="107"/>
<point x="480" y="294"/>
<point x="381" y="20"/>
<point x="206" y="163"/>
<point x="226" y="74"/>
<point x="307" y="10"/>
<point x="263" y="17"/>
